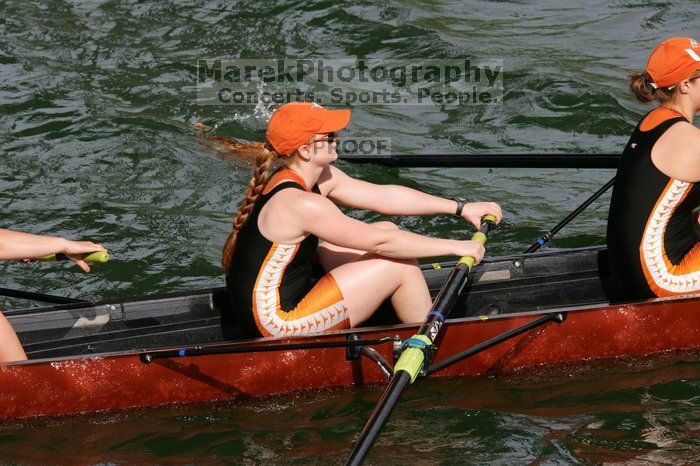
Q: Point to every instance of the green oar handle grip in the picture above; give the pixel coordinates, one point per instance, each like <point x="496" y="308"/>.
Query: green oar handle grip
<point x="488" y="223"/>
<point x="98" y="256"/>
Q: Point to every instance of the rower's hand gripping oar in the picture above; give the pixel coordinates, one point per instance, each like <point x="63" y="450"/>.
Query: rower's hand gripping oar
<point x="413" y="355"/>
<point x="98" y="256"/>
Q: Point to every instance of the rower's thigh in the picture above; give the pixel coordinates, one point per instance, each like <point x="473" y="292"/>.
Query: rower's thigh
<point x="10" y="347"/>
<point x="331" y="256"/>
<point x="369" y="280"/>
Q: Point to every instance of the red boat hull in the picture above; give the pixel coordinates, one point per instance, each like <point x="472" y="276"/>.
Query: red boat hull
<point x="116" y="381"/>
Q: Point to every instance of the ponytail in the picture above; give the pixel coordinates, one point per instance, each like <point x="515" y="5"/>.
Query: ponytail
<point x="263" y="161"/>
<point x="643" y="89"/>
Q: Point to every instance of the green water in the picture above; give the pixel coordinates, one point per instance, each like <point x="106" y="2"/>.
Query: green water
<point x="95" y="100"/>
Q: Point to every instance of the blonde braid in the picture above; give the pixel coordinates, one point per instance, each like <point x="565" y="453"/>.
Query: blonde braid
<point x="263" y="161"/>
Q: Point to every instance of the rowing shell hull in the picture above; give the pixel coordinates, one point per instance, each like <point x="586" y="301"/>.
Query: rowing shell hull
<point x="121" y="380"/>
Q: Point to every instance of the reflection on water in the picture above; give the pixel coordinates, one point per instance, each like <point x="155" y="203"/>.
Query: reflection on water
<point x="636" y="411"/>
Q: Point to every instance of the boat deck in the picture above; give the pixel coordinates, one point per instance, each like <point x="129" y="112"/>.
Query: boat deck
<point x="500" y="285"/>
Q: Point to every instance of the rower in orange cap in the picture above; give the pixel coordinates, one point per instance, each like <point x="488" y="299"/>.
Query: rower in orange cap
<point x="268" y="256"/>
<point x="653" y="248"/>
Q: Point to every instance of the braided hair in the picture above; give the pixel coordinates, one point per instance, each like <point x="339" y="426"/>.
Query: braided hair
<point x="261" y="174"/>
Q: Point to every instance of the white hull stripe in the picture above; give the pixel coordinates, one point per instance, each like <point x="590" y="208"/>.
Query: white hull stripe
<point x="652" y="245"/>
<point x="267" y="302"/>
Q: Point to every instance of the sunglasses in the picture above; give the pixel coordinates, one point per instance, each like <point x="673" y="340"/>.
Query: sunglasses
<point x="330" y="137"/>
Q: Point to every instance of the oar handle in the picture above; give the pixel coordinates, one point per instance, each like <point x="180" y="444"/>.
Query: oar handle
<point x="488" y="223"/>
<point x="97" y="256"/>
<point x="412" y="356"/>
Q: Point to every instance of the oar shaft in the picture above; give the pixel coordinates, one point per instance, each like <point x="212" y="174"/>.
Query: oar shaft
<point x="412" y="357"/>
<point x="448" y="294"/>
<point x="379" y="417"/>
<point x="41" y="297"/>
<point x="598" y="161"/>
<point x="547" y="237"/>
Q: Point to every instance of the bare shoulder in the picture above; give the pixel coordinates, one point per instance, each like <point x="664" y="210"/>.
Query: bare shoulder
<point x="285" y="217"/>
<point x="677" y="152"/>
<point x="330" y="178"/>
<point x="298" y="203"/>
<point x="311" y="204"/>
<point x="289" y="198"/>
<point x="685" y="128"/>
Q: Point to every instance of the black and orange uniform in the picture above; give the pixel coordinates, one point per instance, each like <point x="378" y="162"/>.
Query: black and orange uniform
<point x="271" y="285"/>
<point x="652" y="245"/>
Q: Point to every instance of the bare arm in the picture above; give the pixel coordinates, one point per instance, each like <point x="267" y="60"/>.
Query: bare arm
<point x="341" y="230"/>
<point x="677" y="153"/>
<point x="17" y="245"/>
<point x="396" y="200"/>
<point x="386" y="199"/>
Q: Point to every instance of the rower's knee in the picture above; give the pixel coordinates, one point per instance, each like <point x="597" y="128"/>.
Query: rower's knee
<point x="413" y="270"/>
<point x="405" y="267"/>
<point x="412" y="265"/>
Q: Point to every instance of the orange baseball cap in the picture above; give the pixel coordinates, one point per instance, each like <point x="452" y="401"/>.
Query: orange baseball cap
<point x="673" y="60"/>
<point x="293" y="124"/>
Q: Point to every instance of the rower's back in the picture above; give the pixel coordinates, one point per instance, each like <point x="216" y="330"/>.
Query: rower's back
<point x="652" y="245"/>
<point x="283" y="273"/>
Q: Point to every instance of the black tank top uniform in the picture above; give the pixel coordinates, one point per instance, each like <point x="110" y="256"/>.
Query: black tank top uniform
<point x="650" y="232"/>
<point x="252" y="249"/>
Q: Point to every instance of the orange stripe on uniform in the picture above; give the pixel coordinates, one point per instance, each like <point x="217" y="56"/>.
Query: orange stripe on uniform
<point x="267" y="284"/>
<point x="321" y="310"/>
<point x="284" y="174"/>
<point x="324" y="294"/>
<point x="690" y="262"/>
<point x="647" y="227"/>
<point x="656" y="117"/>
<point x="677" y="278"/>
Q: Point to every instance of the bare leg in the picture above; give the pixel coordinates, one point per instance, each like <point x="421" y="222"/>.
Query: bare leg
<point x="366" y="280"/>
<point x="370" y="279"/>
<point x="10" y="347"/>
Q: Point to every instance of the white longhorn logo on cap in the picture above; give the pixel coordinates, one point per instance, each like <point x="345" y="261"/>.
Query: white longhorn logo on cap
<point x="692" y="54"/>
<point x="315" y="105"/>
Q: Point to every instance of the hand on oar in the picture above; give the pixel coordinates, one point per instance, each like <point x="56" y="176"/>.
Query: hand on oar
<point x="470" y="248"/>
<point x="80" y="252"/>
<point x="473" y="212"/>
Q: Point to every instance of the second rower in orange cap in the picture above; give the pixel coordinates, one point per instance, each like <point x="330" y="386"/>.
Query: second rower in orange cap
<point x="652" y="245"/>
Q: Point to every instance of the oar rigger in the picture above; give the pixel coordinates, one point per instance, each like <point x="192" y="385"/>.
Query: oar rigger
<point x="422" y="343"/>
<point x="147" y="357"/>
<point x="356" y="349"/>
